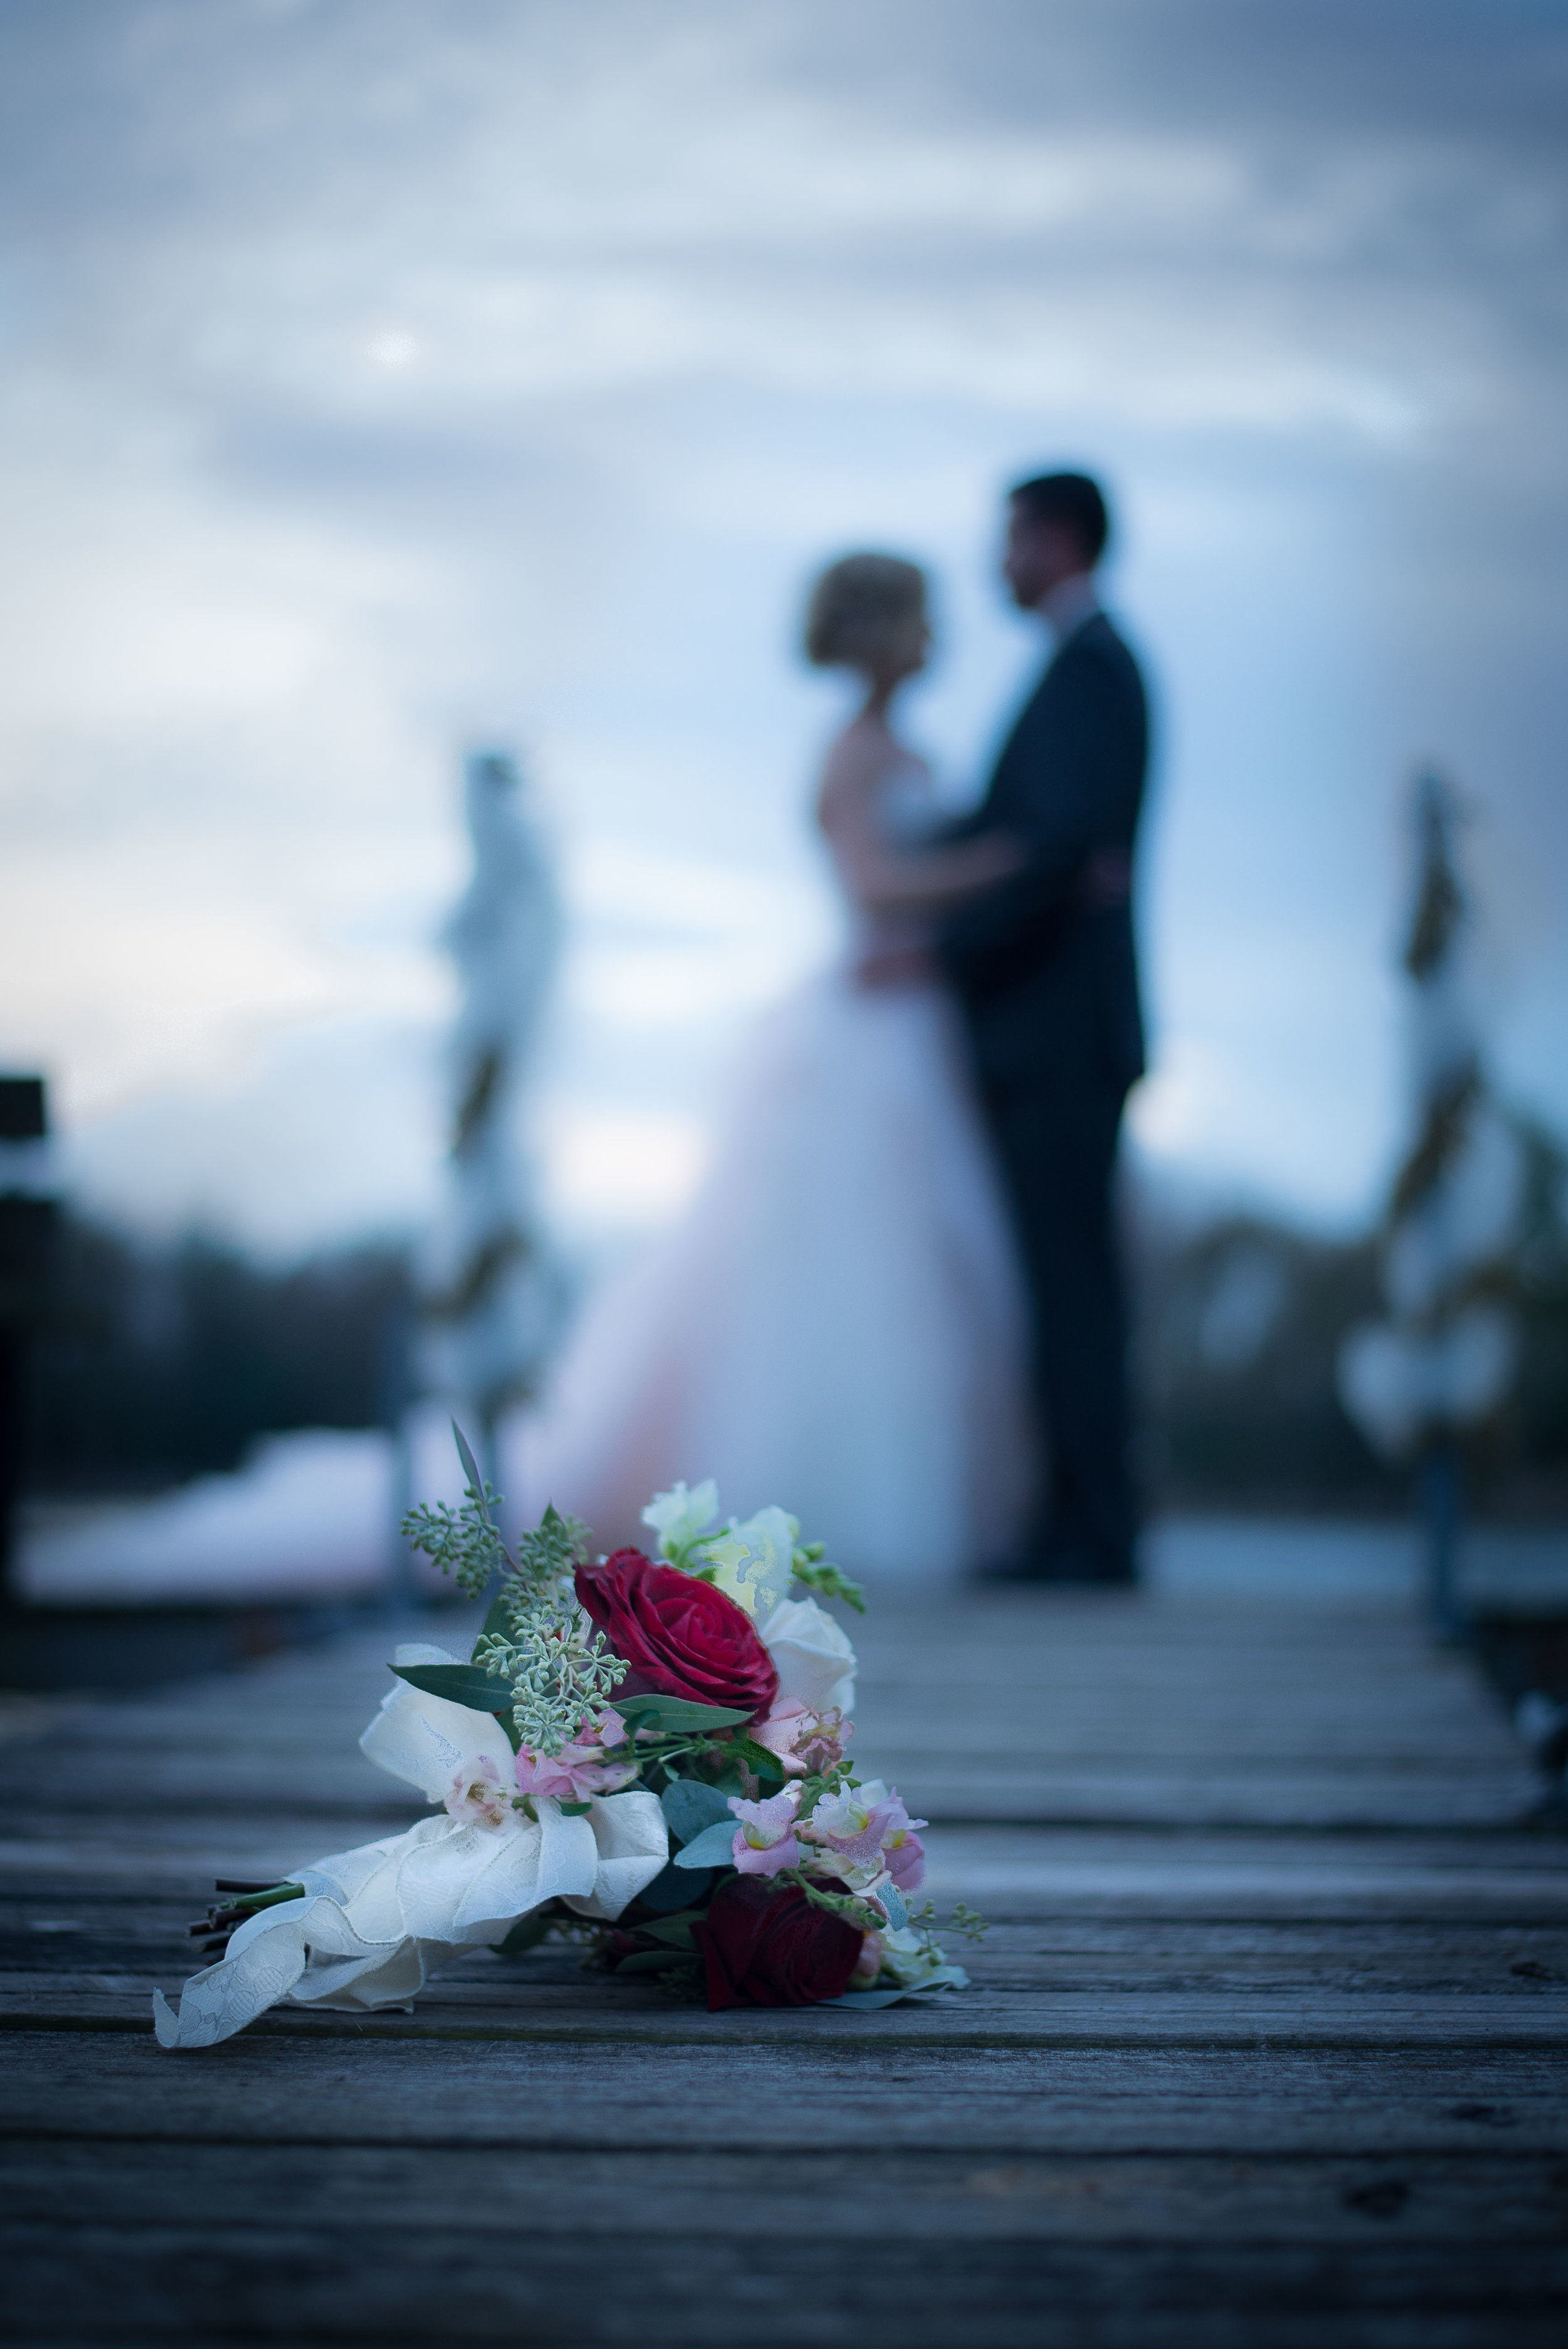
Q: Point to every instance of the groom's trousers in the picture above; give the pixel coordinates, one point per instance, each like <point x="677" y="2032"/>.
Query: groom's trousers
<point x="1056" y="1148"/>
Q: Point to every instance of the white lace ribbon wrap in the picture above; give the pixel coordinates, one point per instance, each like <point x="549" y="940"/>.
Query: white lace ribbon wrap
<point x="373" y="1922"/>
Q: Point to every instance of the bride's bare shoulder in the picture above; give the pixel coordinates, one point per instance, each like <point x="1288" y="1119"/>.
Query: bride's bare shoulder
<point x="856" y="761"/>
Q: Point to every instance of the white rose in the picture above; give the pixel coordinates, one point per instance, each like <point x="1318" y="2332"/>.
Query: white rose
<point x="816" y="1662"/>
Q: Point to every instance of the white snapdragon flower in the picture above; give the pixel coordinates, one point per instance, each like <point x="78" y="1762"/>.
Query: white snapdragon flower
<point x="912" y="1961"/>
<point x="845" y="1816"/>
<point x="679" y="1518"/>
<point x="755" y="1562"/>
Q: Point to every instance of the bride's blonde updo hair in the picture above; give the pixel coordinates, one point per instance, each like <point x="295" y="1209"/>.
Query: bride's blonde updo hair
<point x="860" y="608"/>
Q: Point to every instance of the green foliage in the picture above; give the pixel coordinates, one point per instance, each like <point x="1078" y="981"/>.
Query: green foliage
<point x="675" y="1932"/>
<point x="675" y="1889"/>
<point x="966" y="1921"/>
<point x="825" y="1782"/>
<point x="536" y="1646"/>
<point x="668" y="1714"/>
<point x="559" y="1668"/>
<point x="481" y="1691"/>
<point x="538" y="1639"/>
<point x="761" y="1762"/>
<point x="462" y="1542"/>
<point x="710" y="1848"/>
<point x="690" y="1805"/>
<point x="650" y="1961"/>
<point x="686" y="1982"/>
<point x="812" y="1569"/>
<point x="548" y="1557"/>
<point x="860" y="1913"/>
<point x="247" y="1904"/>
<point x="526" y="1934"/>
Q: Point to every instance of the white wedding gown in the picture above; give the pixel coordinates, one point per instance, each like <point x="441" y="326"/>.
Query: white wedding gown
<point x="835" y="1323"/>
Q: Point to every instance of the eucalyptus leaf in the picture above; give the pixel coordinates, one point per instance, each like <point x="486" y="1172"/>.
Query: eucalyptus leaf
<point x="675" y="1932"/>
<point x="672" y="1713"/>
<point x="471" y="1471"/>
<point x="647" y="1962"/>
<point x="891" y="1899"/>
<point x="760" y="1760"/>
<point x="675" y="1888"/>
<point x="715" y="1848"/>
<point x="576" y="1810"/>
<point x="526" y="1934"/>
<point x="460" y="1684"/>
<point x="944" y="1978"/>
<point x="690" y="1805"/>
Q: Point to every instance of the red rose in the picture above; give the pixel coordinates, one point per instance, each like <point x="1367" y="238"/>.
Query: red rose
<point x="679" y="1637"/>
<point x="767" y="1948"/>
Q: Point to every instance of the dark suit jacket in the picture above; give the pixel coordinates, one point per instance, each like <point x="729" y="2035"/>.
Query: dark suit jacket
<point x="1047" y="976"/>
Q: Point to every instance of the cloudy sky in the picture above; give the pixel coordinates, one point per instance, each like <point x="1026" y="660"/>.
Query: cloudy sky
<point x="385" y="375"/>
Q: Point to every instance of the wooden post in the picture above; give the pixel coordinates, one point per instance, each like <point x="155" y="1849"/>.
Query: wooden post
<point x="28" y="1217"/>
<point x="1441" y="1484"/>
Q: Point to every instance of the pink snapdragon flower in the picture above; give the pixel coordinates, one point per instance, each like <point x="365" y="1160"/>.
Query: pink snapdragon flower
<point x="579" y="1771"/>
<point x="479" y="1792"/>
<point x="905" y="1856"/>
<point x="804" y="1740"/>
<point x="851" y="1827"/>
<point x="765" y="1840"/>
<point x="863" y="1823"/>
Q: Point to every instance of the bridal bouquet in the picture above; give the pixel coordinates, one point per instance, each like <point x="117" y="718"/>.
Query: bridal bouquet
<point x="644" y="1753"/>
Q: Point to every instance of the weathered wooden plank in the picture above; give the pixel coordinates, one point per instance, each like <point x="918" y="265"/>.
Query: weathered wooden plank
<point x="1031" y="2019"/>
<point x="1175" y="1792"/>
<point x="825" y="2193"/>
<point x="1181" y="1794"/>
<point x="506" y="2276"/>
<point x="846" y="2095"/>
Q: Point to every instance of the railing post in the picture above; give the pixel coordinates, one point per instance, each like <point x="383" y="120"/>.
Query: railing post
<point x="1441" y="1480"/>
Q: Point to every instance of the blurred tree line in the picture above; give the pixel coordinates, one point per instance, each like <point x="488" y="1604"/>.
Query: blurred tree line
<point x="161" y="1363"/>
<point x="1239" y="1330"/>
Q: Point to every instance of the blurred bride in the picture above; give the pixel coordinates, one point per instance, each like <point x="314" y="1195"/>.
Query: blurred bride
<point x="835" y="1322"/>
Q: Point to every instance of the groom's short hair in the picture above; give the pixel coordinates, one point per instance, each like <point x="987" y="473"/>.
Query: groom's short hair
<point x="1069" y="499"/>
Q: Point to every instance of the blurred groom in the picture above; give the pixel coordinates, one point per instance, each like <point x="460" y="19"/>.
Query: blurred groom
<point x="1044" y="969"/>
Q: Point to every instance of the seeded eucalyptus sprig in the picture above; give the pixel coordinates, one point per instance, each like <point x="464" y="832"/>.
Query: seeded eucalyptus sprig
<point x="462" y="1542"/>
<point x="465" y="1543"/>
<point x="535" y="1635"/>
<point x="559" y="1666"/>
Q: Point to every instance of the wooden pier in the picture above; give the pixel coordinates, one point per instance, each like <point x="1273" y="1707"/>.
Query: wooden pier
<point x="1267" y="2047"/>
